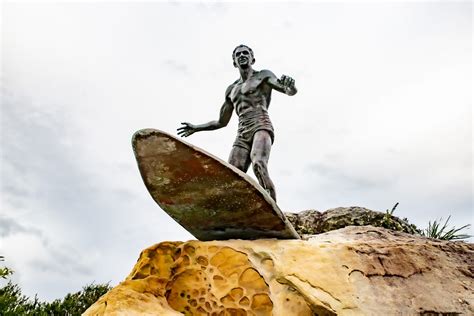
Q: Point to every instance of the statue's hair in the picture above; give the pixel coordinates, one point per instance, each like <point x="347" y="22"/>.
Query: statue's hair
<point x="242" y="45"/>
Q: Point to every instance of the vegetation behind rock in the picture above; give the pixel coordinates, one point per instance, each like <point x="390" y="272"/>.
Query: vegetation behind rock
<point x="14" y="303"/>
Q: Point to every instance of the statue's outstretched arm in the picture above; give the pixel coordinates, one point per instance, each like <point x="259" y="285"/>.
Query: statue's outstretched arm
<point x="285" y="84"/>
<point x="224" y="117"/>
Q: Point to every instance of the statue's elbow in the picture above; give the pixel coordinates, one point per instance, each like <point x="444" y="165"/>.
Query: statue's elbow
<point x="221" y="124"/>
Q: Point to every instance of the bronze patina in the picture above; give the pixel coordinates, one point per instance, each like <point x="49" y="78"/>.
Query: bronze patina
<point x="250" y="96"/>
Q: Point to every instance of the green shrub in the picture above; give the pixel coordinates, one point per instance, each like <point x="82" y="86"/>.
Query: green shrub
<point x="4" y="271"/>
<point x="14" y="303"/>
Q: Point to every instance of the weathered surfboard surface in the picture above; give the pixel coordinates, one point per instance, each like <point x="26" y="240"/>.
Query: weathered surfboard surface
<point x="207" y="196"/>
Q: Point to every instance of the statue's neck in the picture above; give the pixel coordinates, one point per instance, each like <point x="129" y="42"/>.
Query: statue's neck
<point x="246" y="73"/>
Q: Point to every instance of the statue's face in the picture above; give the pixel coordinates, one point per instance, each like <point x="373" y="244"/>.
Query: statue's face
<point x="243" y="58"/>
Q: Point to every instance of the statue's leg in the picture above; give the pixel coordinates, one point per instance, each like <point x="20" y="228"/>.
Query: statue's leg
<point x="240" y="158"/>
<point x="262" y="144"/>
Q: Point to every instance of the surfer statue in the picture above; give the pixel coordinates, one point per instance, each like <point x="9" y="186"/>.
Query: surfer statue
<point x="250" y="97"/>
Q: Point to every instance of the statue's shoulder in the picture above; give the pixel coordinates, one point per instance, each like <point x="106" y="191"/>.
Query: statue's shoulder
<point x="265" y="73"/>
<point x="230" y="87"/>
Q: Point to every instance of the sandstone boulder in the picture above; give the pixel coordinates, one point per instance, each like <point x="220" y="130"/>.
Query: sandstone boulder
<point x="351" y="271"/>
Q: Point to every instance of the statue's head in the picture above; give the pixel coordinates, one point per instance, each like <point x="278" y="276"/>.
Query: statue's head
<point x="243" y="56"/>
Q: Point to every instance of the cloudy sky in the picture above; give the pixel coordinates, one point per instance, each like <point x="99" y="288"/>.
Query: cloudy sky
<point x="383" y="115"/>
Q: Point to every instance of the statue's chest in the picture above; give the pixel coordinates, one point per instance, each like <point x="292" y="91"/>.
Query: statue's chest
<point x="247" y="88"/>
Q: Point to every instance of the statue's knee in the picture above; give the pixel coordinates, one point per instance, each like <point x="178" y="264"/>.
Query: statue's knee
<point x="259" y="165"/>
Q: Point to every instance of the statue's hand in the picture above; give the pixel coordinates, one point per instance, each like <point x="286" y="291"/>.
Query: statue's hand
<point x="288" y="84"/>
<point x="186" y="130"/>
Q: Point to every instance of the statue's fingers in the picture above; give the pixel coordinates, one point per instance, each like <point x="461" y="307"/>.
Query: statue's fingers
<point x="292" y="82"/>
<point x="282" y="79"/>
<point x="287" y="81"/>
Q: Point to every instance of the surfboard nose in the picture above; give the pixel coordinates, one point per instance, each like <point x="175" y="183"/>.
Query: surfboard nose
<point x="144" y="132"/>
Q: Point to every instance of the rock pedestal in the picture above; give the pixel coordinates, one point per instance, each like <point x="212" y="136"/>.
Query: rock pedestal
<point x="351" y="271"/>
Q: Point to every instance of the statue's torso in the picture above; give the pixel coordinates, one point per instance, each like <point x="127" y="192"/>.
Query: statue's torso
<point x="253" y="95"/>
<point x="251" y="100"/>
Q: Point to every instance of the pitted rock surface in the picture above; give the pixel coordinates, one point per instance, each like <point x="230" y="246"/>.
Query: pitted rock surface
<point x="351" y="271"/>
<point x="312" y="222"/>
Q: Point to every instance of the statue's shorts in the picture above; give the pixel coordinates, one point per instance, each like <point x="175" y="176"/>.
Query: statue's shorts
<point x="249" y="125"/>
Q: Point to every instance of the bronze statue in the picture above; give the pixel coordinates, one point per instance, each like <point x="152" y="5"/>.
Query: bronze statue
<point x="250" y="96"/>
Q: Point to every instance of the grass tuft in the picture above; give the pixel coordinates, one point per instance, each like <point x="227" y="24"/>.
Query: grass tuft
<point x="435" y="230"/>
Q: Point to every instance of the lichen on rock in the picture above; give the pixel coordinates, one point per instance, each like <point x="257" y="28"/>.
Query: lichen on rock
<point x="312" y="222"/>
